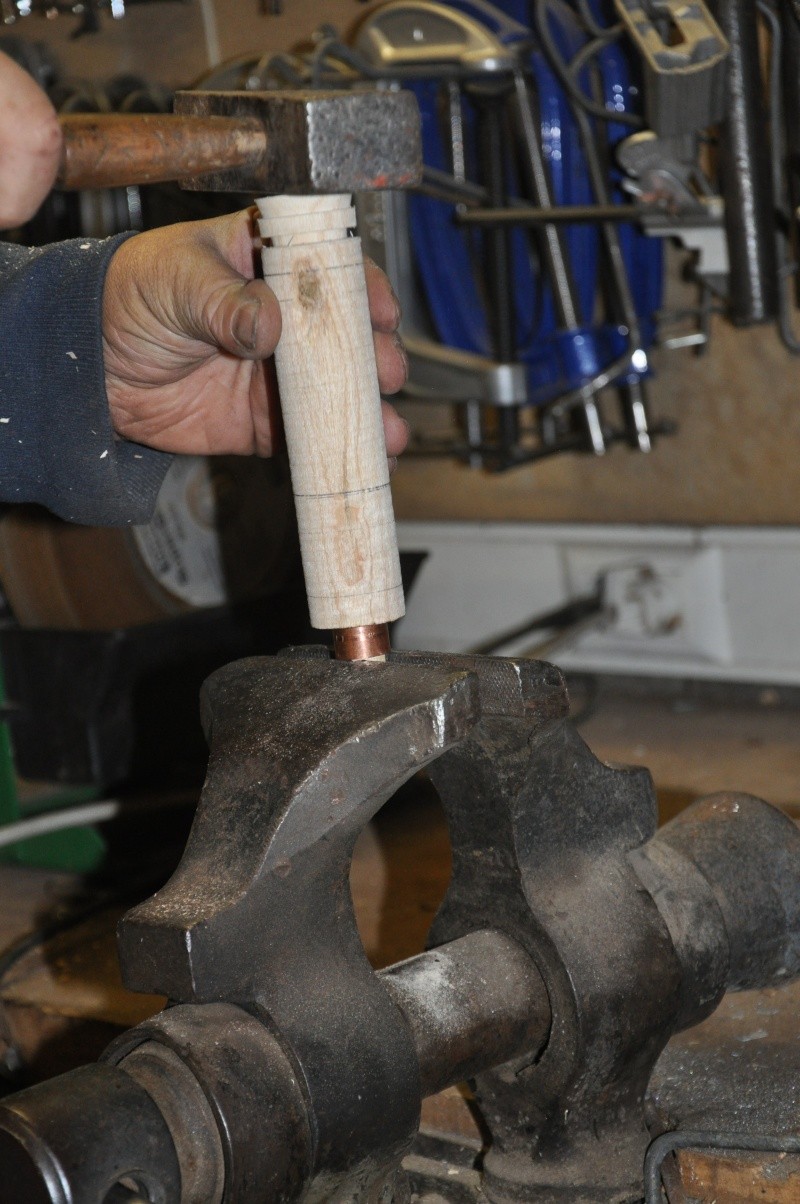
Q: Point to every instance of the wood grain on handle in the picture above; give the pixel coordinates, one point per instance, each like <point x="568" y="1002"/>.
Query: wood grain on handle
<point x="331" y="408"/>
<point x="114" y="150"/>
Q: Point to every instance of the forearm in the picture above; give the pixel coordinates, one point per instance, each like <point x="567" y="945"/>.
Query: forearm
<point x="57" y="444"/>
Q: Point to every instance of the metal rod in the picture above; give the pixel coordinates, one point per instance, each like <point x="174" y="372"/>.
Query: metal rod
<point x="562" y="618"/>
<point x="473" y="414"/>
<point x="472" y="1004"/>
<point x="745" y="171"/>
<point x="565" y="295"/>
<point x="498" y="253"/>
<point x="696" y="1139"/>
<point x="621" y="302"/>
<point x="524" y="215"/>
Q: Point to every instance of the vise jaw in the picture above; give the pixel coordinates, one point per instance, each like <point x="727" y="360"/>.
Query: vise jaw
<point x="573" y="941"/>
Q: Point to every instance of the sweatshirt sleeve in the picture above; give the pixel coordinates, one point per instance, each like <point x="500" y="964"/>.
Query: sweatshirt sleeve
<point x="57" y="444"/>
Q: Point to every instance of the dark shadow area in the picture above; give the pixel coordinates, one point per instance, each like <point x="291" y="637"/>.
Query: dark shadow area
<point x="98" y="708"/>
<point x="401" y="873"/>
<point x="75" y="940"/>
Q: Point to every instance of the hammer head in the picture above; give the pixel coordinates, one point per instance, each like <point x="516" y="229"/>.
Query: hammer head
<point x="318" y="141"/>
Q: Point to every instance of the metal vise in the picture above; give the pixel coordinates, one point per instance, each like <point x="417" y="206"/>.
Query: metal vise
<point x="574" y="940"/>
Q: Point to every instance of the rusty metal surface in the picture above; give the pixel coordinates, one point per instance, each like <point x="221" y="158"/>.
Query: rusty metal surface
<point x="247" y="1081"/>
<point x="556" y="865"/>
<point x="318" y="141"/>
<point x="182" y="1102"/>
<point x="623" y="970"/>
<point x="747" y="851"/>
<point x="97" y="1103"/>
<point x="738" y="1070"/>
<point x="578" y="909"/>
<point x="470" y="1005"/>
<point x="303" y="754"/>
<point x="737" y="1073"/>
<point x="113" y="150"/>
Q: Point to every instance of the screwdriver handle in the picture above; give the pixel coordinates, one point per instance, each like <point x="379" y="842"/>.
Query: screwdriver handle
<point x="331" y="407"/>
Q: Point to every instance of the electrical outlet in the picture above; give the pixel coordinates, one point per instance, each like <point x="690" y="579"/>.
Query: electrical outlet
<point x="706" y="602"/>
<point x="666" y="603"/>
<point x="641" y="602"/>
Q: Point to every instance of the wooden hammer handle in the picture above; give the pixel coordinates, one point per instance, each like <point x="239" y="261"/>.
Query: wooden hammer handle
<point x="331" y="408"/>
<point x="113" y="150"/>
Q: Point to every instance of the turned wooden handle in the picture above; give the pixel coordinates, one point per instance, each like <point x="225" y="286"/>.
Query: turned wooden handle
<point x="332" y="411"/>
<point x="113" y="150"/>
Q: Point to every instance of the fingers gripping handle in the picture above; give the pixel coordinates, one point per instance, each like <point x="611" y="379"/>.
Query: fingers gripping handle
<point x="331" y="407"/>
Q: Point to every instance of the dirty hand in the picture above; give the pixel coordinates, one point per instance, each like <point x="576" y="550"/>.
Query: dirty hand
<point x="186" y="328"/>
<point x="30" y="145"/>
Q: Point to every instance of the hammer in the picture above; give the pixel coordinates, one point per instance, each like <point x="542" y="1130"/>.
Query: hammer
<point x="310" y="151"/>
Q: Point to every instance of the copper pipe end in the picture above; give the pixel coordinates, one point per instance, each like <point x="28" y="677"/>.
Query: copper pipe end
<point x="361" y="643"/>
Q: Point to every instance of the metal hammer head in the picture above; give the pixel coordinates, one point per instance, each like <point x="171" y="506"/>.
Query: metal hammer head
<point x="318" y="141"/>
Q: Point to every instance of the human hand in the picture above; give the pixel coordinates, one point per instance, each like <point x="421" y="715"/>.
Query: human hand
<point x="30" y="145"/>
<point x="186" y="328"/>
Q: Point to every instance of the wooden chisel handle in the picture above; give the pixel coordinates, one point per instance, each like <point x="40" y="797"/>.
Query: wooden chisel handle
<point x="331" y="408"/>
<point x="114" y="150"/>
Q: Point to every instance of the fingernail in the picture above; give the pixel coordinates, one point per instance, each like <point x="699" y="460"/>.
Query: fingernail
<point x="401" y="347"/>
<point x="245" y="325"/>
<point x="392" y="464"/>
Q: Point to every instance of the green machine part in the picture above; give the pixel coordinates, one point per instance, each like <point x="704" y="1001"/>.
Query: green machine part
<point x="79" y="850"/>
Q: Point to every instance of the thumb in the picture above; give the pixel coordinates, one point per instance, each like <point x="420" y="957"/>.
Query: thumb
<point x="238" y="316"/>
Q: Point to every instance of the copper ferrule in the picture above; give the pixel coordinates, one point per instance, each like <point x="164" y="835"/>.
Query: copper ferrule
<point x="361" y="643"/>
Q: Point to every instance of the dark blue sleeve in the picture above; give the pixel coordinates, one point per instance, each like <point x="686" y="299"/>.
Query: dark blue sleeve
<point x="57" y="445"/>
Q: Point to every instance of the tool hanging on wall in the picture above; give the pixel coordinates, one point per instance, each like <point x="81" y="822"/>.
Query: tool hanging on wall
<point x="591" y="80"/>
<point x="87" y="11"/>
<point x="503" y="132"/>
<point x="556" y="361"/>
<point x="573" y="287"/>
